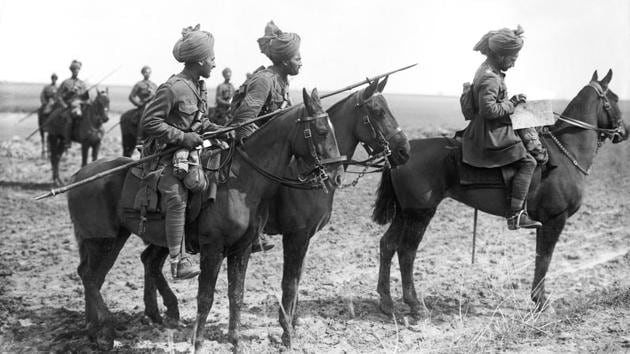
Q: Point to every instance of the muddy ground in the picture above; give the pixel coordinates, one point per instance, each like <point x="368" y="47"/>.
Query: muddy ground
<point x="483" y="307"/>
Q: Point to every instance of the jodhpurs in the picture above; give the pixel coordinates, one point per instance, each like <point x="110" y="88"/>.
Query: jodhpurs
<point x="521" y="181"/>
<point x="174" y="196"/>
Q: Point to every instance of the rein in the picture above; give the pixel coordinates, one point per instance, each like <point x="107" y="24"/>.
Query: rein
<point x="318" y="172"/>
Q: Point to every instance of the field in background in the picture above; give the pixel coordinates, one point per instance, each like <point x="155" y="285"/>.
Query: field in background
<point x="483" y="307"/>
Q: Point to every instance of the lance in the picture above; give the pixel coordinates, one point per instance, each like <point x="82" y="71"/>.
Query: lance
<point x="48" y="121"/>
<point x="112" y="127"/>
<point x="206" y="135"/>
<point x="27" y="115"/>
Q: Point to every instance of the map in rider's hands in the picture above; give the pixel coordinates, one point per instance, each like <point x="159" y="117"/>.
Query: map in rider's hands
<point x="532" y="114"/>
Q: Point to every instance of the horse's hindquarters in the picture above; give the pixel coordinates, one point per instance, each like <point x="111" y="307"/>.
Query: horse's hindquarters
<point x="93" y="205"/>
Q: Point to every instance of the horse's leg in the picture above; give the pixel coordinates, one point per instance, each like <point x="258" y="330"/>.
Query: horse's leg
<point x="388" y="247"/>
<point x="546" y="238"/>
<point x="237" y="267"/>
<point x="413" y="231"/>
<point x="211" y="259"/>
<point x="85" y="147"/>
<point x="55" y="149"/>
<point x="43" y="138"/>
<point x="97" y="258"/>
<point x="295" y="246"/>
<point x="95" y="148"/>
<point x="153" y="259"/>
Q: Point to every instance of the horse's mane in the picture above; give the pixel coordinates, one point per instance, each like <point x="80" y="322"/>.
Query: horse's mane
<point x="335" y="107"/>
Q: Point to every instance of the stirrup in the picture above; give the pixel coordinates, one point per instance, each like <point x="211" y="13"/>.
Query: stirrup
<point x="522" y="220"/>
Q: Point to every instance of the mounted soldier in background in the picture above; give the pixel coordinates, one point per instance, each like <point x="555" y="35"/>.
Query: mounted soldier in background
<point x="176" y="117"/>
<point x="225" y="92"/>
<point x="70" y="94"/>
<point x="141" y="93"/>
<point x="489" y="140"/>
<point x="267" y="89"/>
<point x="47" y="100"/>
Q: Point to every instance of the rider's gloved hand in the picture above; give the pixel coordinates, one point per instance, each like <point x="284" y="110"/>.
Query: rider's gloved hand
<point x="191" y="140"/>
<point x="517" y="99"/>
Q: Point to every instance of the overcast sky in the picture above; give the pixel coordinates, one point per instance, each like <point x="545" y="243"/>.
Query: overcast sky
<point x="342" y="41"/>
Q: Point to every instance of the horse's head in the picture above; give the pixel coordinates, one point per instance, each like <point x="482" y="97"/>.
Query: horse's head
<point x="316" y="143"/>
<point x="101" y="106"/>
<point x="608" y="113"/>
<point x="377" y="128"/>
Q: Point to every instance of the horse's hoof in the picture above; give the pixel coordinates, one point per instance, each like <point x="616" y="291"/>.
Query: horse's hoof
<point x="386" y="306"/>
<point x="287" y="339"/>
<point x="154" y="317"/>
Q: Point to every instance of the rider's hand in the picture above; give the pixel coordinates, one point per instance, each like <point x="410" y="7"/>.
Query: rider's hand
<point x="517" y="99"/>
<point x="191" y="140"/>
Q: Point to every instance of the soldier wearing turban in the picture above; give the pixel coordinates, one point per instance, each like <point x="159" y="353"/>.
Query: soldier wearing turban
<point x="267" y="89"/>
<point x="175" y="117"/>
<point x="141" y="93"/>
<point x="489" y="140"/>
<point x="70" y="93"/>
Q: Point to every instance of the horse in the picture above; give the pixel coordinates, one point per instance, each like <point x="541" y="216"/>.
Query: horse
<point x="42" y="116"/>
<point x="224" y="227"/>
<point x="129" y="129"/>
<point x="363" y="116"/>
<point x="87" y="130"/>
<point x="408" y="196"/>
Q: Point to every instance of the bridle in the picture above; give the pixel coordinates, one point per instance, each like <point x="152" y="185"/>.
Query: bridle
<point x="316" y="177"/>
<point x="377" y="134"/>
<point x="602" y="133"/>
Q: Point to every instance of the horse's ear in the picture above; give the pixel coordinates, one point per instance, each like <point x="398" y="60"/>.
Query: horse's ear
<point x="606" y="80"/>
<point x="315" y="97"/>
<point x="381" y="85"/>
<point x="594" y="77"/>
<point x="308" y="102"/>
<point x="369" y="91"/>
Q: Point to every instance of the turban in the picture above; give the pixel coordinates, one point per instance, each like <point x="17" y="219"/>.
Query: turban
<point x="195" y="45"/>
<point x="145" y="68"/>
<point x="502" y="42"/>
<point x="278" y="45"/>
<point x="75" y="64"/>
<point x="226" y="70"/>
<point x="53" y="76"/>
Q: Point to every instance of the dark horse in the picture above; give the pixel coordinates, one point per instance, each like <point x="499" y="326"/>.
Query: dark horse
<point x="408" y="196"/>
<point x="87" y="130"/>
<point x="130" y="130"/>
<point x="363" y="116"/>
<point x="224" y="228"/>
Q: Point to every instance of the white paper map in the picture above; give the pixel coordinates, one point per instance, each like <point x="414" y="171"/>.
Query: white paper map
<point x="532" y="114"/>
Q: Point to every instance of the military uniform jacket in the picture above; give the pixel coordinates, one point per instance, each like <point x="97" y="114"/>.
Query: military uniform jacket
<point x="265" y="91"/>
<point x="70" y="89"/>
<point x="489" y="140"/>
<point x="48" y="93"/>
<point x="144" y="90"/>
<point x="172" y="112"/>
<point x="224" y="93"/>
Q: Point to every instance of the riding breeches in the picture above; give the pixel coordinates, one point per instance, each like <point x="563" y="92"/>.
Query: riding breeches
<point x="175" y="197"/>
<point x="521" y="181"/>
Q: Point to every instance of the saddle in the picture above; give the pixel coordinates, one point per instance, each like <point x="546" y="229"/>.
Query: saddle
<point x="477" y="177"/>
<point x="141" y="203"/>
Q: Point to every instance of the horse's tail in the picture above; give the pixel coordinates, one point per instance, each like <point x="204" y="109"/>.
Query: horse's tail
<point x="386" y="203"/>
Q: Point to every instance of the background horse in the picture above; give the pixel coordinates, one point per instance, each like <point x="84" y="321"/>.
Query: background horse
<point x="224" y="228"/>
<point x="363" y="116"/>
<point x="87" y="130"/>
<point x="408" y="196"/>
<point x="129" y="129"/>
<point x="42" y="117"/>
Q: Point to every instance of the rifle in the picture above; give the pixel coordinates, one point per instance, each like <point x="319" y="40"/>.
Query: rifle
<point x="206" y="135"/>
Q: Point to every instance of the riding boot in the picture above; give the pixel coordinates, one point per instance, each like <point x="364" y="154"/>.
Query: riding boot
<point x="518" y="217"/>
<point x="182" y="267"/>
<point x="261" y="243"/>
